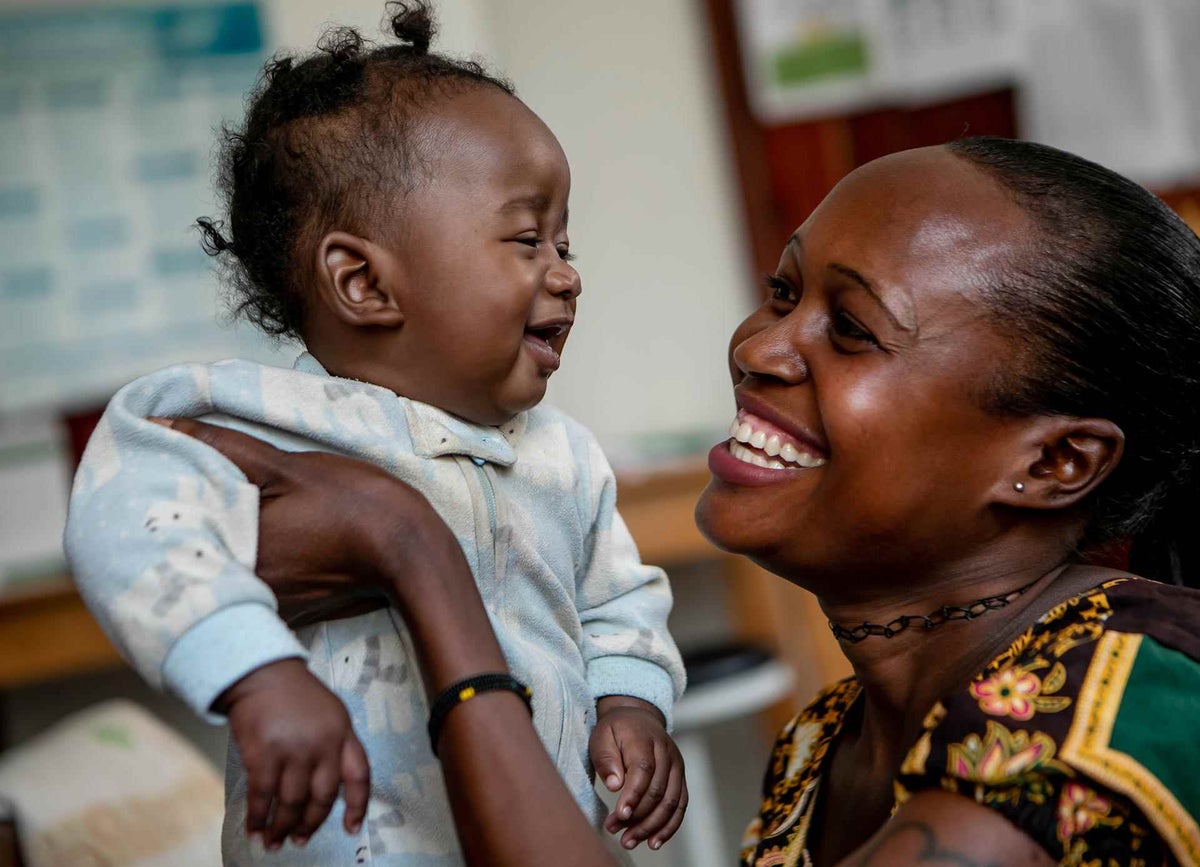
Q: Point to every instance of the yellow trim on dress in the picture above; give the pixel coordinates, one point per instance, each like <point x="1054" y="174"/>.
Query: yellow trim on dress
<point x="1087" y="746"/>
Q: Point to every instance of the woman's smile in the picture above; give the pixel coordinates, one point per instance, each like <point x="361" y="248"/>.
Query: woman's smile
<point x="760" y="453"/>
<point x="757" y="441"/>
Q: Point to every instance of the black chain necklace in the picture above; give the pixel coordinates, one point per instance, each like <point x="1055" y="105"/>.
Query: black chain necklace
<point x="855" y="634"/>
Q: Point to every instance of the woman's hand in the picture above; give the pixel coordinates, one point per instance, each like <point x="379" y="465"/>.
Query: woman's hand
<point x="327" y="524"/>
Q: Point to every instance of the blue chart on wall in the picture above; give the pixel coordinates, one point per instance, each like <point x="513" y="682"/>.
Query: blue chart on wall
<point x="107" y="135"/>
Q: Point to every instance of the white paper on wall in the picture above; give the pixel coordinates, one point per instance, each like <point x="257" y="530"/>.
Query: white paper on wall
<point x="1116" y="82"/>
<point x="810" y="57"/>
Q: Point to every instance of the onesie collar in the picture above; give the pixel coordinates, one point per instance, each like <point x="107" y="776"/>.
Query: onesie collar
<point x="436" y="433"/>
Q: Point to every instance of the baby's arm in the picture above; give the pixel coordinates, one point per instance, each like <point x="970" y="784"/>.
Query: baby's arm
<point x="634" y="670"/>
<point x="162" y="539"/>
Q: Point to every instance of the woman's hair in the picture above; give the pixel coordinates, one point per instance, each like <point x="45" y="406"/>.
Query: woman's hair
<point x="1106" y="306"/>
<point x="329" y="140"/>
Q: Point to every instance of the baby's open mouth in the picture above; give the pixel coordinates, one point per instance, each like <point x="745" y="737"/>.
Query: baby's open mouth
<point x="546" y="343"/>
<point x="548" y="333"/>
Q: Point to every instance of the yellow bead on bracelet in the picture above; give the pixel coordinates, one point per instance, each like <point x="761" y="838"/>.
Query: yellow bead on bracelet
<point x="465" y="690"/>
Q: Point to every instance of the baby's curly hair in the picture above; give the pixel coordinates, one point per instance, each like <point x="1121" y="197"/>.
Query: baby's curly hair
<point x="323" y="135"/>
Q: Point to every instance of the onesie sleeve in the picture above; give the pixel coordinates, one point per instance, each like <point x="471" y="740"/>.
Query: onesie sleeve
<point x="623" y="603"/>
<point x="162" y="536"/>
<point x="1083" y="741"/>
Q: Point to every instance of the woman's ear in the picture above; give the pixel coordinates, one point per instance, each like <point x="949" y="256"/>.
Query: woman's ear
<point x="358" y="281"/>
<point x="1063" y="461"/>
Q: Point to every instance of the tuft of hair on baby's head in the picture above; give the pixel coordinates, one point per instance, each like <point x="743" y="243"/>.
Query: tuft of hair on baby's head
<point x="327" y="137"/>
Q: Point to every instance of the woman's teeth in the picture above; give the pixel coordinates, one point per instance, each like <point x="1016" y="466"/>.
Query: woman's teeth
<point x="779" y="454"/>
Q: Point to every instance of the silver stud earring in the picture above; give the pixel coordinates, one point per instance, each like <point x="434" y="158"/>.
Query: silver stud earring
<point x="1019" y="487"/>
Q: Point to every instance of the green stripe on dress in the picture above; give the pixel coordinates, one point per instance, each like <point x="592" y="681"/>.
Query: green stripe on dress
<point x="1158" y="721"/>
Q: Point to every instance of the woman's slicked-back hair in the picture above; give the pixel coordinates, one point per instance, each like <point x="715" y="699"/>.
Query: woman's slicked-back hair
<point x="1105" y="305"/>
<point x="327" y="137"/>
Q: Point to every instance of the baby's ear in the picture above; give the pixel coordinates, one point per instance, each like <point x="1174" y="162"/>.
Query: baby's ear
<point x="358" y="281"/>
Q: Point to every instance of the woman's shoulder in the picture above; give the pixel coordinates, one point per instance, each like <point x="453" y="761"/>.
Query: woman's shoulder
<point x="1082" y="731"/>
<point x="794" y="769"/>
<point x="1165" y="613"/>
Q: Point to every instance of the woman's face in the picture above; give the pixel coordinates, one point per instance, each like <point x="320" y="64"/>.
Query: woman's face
<point x="869" y="361"/>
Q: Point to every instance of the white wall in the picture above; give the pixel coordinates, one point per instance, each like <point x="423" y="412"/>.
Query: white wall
<point x="296" y="24"/>
<point x="628" y="88"/>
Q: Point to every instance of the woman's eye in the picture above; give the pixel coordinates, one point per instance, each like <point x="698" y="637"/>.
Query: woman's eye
<point x="845" y="326"/>
<point x="780" y="290"/>
<point x="529" y="242"/>
<point x="565" y="254"/>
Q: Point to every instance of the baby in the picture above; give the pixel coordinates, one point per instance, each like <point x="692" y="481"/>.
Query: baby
<point x="405" y="215"/>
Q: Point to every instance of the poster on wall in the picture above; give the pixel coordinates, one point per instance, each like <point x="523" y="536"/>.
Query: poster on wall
<point x="806" y="58"/>
<point x="1116" y="82"/>
<point x="108" y="121"/>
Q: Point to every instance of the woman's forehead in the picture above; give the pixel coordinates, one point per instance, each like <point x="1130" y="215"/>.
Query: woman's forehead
<point x="915" y="217"/>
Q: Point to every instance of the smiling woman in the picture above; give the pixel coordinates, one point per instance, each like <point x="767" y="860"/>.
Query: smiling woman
<point x="976" y="377"/>
<point x="943" y="334"/>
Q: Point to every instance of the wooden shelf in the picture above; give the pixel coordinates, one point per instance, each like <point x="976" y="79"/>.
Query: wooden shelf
<point x="47" y="633"/>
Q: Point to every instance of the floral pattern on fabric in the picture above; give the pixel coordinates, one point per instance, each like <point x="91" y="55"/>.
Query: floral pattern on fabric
<point x="776" y="836"/>
<point x="1008" y="740"/>
<point x="1001" y="756"/>
<point x="1080" y="809"/>
<point x="1019" y="693"/>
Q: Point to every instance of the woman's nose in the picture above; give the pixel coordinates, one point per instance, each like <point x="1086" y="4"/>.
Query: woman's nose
<point x="772" y="352"/>
<point x="562" y="281"/>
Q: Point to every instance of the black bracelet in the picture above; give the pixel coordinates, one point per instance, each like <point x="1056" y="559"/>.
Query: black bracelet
<point x="465" y="690"/>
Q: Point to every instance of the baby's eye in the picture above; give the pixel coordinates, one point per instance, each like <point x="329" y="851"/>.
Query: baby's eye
<point x="781" y="290"/>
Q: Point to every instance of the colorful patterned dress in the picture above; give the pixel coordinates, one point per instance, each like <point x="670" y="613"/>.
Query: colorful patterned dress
<point x="1084" y="733"/>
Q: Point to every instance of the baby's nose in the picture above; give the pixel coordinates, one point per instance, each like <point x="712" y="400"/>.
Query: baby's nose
<point x="563" y="282"/>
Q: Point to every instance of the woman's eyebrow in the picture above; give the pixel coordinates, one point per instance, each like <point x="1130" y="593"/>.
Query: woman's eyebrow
<point x="862" y="281"/>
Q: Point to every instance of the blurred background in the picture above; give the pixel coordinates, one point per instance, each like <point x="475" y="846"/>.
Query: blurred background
<point x="700" y="133"/>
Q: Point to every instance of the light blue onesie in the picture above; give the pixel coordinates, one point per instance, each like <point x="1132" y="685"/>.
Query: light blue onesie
<point x="162" y="537"/>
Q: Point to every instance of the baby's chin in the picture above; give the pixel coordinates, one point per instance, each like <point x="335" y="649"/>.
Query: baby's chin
<point x="505" y="407"/>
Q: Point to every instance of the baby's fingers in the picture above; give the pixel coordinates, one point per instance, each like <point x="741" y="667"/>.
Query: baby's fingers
<point x="669" y="829"/>
<point x="323" y="790"/>
<point x="262" y="779"/>
<point x="606" y="757"/>
<point x="664" y="820"/>
<point x="642" y="776"/>
<point x="649" y="798"/>
<point x="356" y="784"/>
<point x="294" y="785"/>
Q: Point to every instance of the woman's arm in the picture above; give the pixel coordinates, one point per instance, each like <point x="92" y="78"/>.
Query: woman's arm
<point x="947" y="829"/>
<point x="330" y="526"/>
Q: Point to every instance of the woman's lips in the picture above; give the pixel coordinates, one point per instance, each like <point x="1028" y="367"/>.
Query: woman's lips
<point x="758" y="441"/>
<point x="727" y="468"/>
<point x="759" y="453"/>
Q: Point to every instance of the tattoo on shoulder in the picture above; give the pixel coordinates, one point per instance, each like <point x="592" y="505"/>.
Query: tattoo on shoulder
<point x="932" y="850"/>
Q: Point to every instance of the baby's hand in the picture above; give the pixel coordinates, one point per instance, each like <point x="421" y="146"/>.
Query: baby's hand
<point x="631" y="749"/>
<point x="298" y="747"/>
